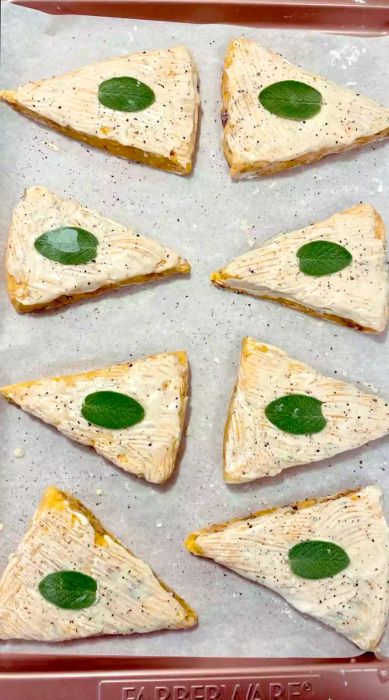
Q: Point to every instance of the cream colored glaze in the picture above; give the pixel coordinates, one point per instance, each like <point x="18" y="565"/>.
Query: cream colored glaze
<point x="147" y="449"/>
<point x="358" y="293"/>
<point x="129" y="596"/>
<point x="122" y="254"/>
<point x="166" y="129"/>
<point x="355" y="601"/>
<point x="255" y="448"/>
<point x="256" y="140"/>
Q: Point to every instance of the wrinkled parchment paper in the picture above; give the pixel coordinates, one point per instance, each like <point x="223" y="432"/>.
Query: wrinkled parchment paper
<point x="209" y="219"/>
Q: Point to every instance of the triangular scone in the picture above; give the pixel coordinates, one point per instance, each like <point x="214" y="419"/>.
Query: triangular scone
<point x="148" y="449"/>
<point x="65" y="536"/>
<point x="356" y="296"/>
<point x="162" y="135"/>
<point x="355" y="600"/>
<point x="257" y="142"/>
<point x="123" y="257"/>
<point x="254" y="447"/>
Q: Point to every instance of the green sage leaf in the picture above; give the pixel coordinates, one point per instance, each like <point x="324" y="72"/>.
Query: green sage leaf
<point x="297" y="414"/>
<point x="320" y="258"/>
<point x="125" y="94"/>
<point x="111" y="409"/>
<point x="315" y="559"/>
<point x="70" y="590"/>
<point x="291" y="99"/>
<point x="68" y="245"/>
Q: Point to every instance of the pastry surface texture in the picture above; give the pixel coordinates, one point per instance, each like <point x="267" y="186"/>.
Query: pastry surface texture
<point x="254" y="447"/>
<point x="147" y="449"/>
<point x="355" y="601"/>
<point x="65" y="536"/>
<point x="162" y="135"/>
<point x="258" y="142"/>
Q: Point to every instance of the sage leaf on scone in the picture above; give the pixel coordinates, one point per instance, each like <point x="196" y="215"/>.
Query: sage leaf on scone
<point x="284" y="413"/>
<point x="70" y="578"/>
<point x="315" y="559"/>
<point x="298" y="414"/>
<point x="291" y="99"/>
<point x="125" y="94"/>
<point x="111" y="409"/>
<point x="60" y="252"/>
<point x="278" y="115"/>
<point x="297" y="269"/>
<point x="320" y="258"/>
<point x="70" y="590"/>
<point x="328" y="557"/>
<point x="142" y="106"/>
<point x="68" y="245"/>
<point x="85" y="405"/>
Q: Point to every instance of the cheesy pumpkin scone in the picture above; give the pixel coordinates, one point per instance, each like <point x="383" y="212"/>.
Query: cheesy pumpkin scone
<point x="142" y="106"/>
<point x="132" y="414"/>
<point x="70" y="578"/>
<point x="284" y="413"/>
<point x="327" y="557"/>
<point x="335" y="269"/>
<point x="276" y="115"/>
<point x="60" y="252"/>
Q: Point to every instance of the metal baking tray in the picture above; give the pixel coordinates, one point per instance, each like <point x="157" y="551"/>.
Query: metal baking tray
<point x="346" y="16"/>
<point x="37" y="676"/>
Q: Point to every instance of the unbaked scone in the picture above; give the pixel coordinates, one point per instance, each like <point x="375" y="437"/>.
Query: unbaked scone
<point x="284" y="413"/>
<point x="70" y="578"/>
<point x="132" y="414"/>
<point x="158" y="129"/>
<point x="259" y="142"/>
<point x="354" y="295"/>
<point x="100" y="255"/>
<point x="266" y="547"/>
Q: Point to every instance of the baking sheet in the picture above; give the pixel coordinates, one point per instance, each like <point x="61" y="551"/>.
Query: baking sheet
<point x="209" y="219"/>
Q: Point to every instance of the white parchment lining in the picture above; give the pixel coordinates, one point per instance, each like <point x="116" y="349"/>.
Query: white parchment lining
<point x="209" y="219"/>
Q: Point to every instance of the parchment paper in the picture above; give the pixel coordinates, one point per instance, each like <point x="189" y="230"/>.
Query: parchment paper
<point x="209" y="219"/>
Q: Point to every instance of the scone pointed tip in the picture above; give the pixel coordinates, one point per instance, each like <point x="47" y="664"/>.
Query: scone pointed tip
<point x="182" y="357"/>
<point x="184" y="267"/>
<point x="217" y="278"/>
<point x="230" y="479"/>
<point x="192" y="546"/>
<point x="6" y="392"/>
<point x="8" y="96"/>
<point x="51" y="496"/>
<point x="191" y="619"/>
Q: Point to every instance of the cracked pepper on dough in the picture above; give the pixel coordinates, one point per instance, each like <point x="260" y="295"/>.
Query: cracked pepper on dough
<point x="356" y="296"/>
<point x="257" y="142"/>
<point x="163" y="135"/>
<point x="355" y="601"/>
<point x="255" y="448"/>
<point x="123" y="257"/>
<point x="149" y="448"/>
<point x="65" y="536"/>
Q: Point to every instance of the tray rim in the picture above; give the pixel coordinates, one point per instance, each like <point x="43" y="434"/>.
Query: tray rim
<point x="15" y="666"/>
<point x="343" y="16"/>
